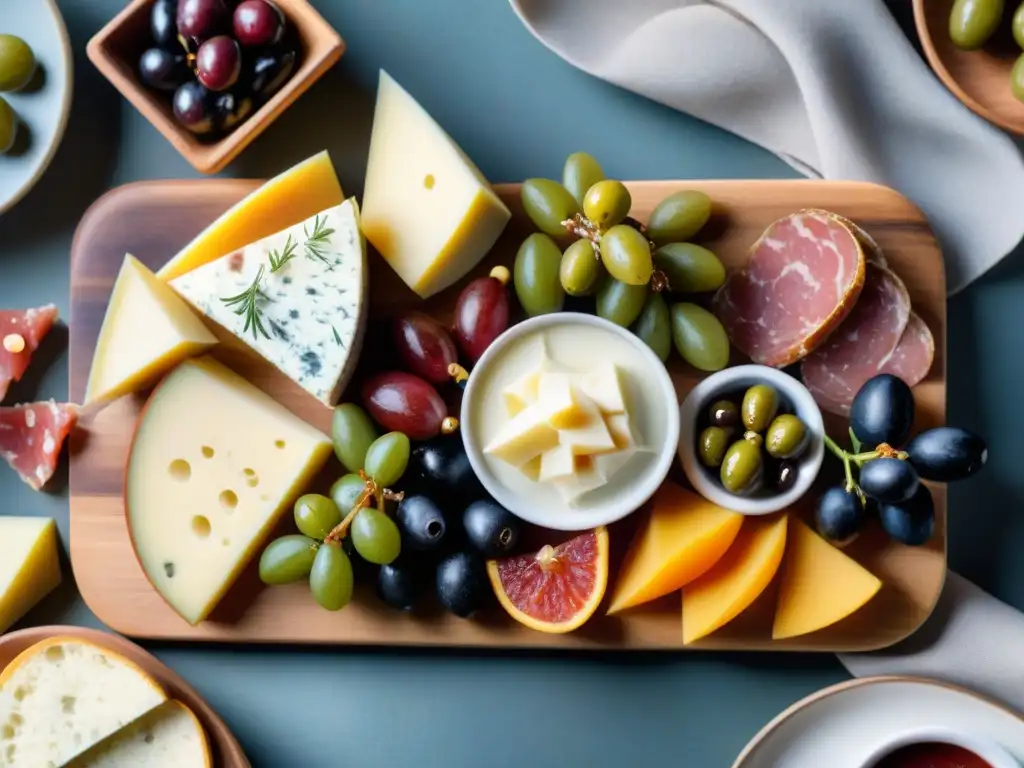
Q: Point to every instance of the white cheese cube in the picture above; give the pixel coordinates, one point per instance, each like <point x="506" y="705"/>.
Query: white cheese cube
<point x="521" y="393"/>
<point x="557" y="463"/>
<point x="523" y="438"/>
<point x="592" y="436"/>
<point x="586" y="477"/>
<point x="604" y="385"/>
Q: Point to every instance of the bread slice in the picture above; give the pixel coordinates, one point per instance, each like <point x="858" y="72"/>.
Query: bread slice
<point x="169" y="736"/>
<point x="64" y="695"/>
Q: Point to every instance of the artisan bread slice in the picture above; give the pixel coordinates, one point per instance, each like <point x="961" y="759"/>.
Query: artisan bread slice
<point x="169" y="736"/>
<point x="64" y="695"/>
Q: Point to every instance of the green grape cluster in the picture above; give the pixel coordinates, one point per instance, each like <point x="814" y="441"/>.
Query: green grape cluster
<point x="626" y="266"/>
<point x="354" y="509"/>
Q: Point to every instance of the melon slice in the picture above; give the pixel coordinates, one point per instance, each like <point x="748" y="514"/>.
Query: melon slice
<point x="819" y="584"/>
<point x="736" y="580"/>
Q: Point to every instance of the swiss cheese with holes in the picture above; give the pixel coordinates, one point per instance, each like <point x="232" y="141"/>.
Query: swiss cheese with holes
<point x="214" y="464"/>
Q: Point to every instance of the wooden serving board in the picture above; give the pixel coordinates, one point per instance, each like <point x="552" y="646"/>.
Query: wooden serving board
<point x="153" y="220"/>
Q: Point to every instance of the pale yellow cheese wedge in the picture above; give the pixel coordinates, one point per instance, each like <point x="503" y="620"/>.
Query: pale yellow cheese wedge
<point x="819" y="585"/>
<point x="604" y="385"/>
<point x="556" y="396"/>
<point x="526" y="436"/>
<point x="585" y="478"/>
<point x="592" y="435"/>
<point x="29" y="565"/>
<point x="521" y="393"/>
<point x="148" y="329"/>
<point x="557" y="463"/>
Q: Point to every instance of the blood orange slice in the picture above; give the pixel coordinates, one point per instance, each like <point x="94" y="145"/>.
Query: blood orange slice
<point x="557" y="588"/>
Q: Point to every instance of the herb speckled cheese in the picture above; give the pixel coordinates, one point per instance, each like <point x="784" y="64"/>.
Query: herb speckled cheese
<point x="311" y="311"/>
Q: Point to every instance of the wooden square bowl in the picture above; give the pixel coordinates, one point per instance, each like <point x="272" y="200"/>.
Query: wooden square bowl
<point x="115" y="50"/>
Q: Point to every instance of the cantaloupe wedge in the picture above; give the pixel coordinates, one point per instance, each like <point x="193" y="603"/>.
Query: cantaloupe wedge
<point x="684" y="536"/>
<point x="819" y="584"/>
<point x="736" y="580"/>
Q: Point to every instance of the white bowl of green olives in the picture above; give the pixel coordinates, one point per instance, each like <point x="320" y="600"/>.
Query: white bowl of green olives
<point x="751" y="439"/>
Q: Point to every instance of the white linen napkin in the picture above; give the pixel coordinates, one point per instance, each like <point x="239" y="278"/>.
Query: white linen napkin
<point x="832" y="87"/>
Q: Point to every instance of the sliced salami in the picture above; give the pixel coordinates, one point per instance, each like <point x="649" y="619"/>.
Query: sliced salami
<point x="913" y="356"/>
<point x="862" y="345"/>
<point x="31" y="437"/>
<point x="802" y="279"/>
<point x="21" y="333"/>
<point x="872" y="250"/>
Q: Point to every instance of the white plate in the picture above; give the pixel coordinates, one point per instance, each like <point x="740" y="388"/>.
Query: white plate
<point x="44" y="110"/>
<point x="841" y="726"/>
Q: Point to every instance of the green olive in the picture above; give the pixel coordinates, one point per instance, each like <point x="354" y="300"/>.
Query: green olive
<point x="548" y="204"/>
<point x="699" y="337"/>
<point x="711" y="448"/>
<point x="1018" y="25"/>
<point x="581" y="269"/>
<point x="17" y="63"/>
<point x="760" y="404"/>
<point x="8" y="126"/>
<point x="689" y="268"/>
<point x="679" y="217"/>
<point x="654" y="326"/>
<point x="620" y="303"/>
<point x="742" y="470"/>
<point x="1017" y="79"/>
<point x="724" y="413"/>
<point x="787" y="437"/>
<point x="607" y="203"/>
<point x="627" y="255"/>
<point x="535" y="275"/>
<point x="973" y="22"/>
<point x="581" y="172"/>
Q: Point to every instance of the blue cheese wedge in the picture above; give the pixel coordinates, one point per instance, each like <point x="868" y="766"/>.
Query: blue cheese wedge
<point x="298" y="298"/>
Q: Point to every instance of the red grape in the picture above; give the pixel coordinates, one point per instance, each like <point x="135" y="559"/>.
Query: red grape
<point x="401" y="402"/>
<point x="258" y="22"/>
<point x="424" y="345"/>
<point x="202" y="19"/>
<point x="219" y="63"/>
<point x="481" y="314"/>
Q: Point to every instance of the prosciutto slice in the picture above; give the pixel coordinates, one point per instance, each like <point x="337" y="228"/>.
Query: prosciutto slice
<point x="802" y="279"/>
<point x="21" y="333"/>
<point x="31" y="437"/>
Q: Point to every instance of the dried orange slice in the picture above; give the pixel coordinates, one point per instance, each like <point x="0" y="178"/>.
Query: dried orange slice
<point x="556" y="589"/>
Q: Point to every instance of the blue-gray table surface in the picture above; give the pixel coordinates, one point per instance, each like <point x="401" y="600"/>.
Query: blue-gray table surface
<point x="518" y="111"/>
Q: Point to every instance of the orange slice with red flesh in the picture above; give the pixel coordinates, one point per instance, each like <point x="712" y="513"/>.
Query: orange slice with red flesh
<point x="557" y="588"/>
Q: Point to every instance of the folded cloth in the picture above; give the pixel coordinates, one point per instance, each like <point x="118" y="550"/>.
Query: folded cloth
<point x="833" y="88"/>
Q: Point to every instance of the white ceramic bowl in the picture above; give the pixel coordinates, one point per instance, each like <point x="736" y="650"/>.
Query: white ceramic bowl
<point x="795" y="399"/>
<point x="989" y="751"/>
<point x="618" y="499"/>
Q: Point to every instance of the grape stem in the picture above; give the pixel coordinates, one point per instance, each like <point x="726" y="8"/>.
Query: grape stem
<point x="371" y="491"/>
<point x="883" y="450"/>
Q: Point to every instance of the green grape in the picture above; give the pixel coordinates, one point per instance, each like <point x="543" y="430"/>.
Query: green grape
<point x="287" y="559"/>
<point x="620" y="303"/>
<point x="17" y="63"/>
<point x="536" y="275"/>
<point x="607" y="203"/>
<point x="581" y="173"/>
<point x="627" y="255"/>
<point x="375" y="536"/>
<point x="346" y="492"/>
<point x="387" y="458"/>
<point x="548" y="204"/>
<point x="679" y="217"/>
<point x="352" y="433"/>
<point x="316" y="515"/>
<point x="580" y="269"/>
<point x="689" y="268"/>
<point x="331" y="580"/>
<point x="8" y="126"/>
<point x="1017" y="79"/>
<point x="654" y="326"/>
<point x="699" y="337"/>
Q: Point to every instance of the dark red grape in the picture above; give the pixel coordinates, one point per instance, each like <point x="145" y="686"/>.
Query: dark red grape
<point x="163" y="70"/>
<point x="481" y="314"/>
<point x="424" y="345"/>
<point x="258" y="22"/>
<point x="202" y="19"/>
<point x="164" y="26"/>
<point x="401" y="402"/>
<point x="219" y="63"/>
<point x="230" y="108"/>
<point x="270" y="71"/>
<point x="192" y="107"/>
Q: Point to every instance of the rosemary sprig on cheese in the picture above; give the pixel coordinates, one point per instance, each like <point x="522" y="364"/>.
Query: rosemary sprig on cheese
<point x="246" y="301"/>
<point x="315" y="242"/>
<point x="278" y="260"/>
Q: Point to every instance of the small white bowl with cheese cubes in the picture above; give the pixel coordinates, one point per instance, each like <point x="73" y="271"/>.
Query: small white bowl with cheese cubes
<point x="570" y="421"/>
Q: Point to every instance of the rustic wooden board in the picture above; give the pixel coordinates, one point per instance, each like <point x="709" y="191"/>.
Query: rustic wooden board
<point x="153" y="220"/>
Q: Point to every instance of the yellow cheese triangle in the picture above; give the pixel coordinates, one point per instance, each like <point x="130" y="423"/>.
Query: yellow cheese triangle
<point x="29" y="565"/>
<point x="819" y="584"/>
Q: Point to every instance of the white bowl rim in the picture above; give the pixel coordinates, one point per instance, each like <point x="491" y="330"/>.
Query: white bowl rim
<point x="988" y="750"/>
<point x="581" y="518"/>
<point x="802" y="401"/>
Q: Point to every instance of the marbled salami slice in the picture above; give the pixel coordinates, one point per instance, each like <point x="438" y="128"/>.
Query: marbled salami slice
<point x="802" y="279"/>
<point x="21" y="332"/>
<point x="862" y="345"/>
<point x="31" y="437"/>
<point x="872" y="250"/>
<point x="913" y="356"/>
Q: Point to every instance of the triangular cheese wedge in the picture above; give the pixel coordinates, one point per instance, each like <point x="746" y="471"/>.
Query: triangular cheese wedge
<point x="819" y="585"/>
<point x="29" y="566"/>
<point x="147" y="330"/>
<point x="310" y="314"/>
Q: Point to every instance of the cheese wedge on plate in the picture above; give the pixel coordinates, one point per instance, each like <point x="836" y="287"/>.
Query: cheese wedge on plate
<point x="148" y="329"/>
<point x="29" y="565"/>
<point x="213" y="465"/>
<point x="169" y="736"/>
<point x="310" y="312"/>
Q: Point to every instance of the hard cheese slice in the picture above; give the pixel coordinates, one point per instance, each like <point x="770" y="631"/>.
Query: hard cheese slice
<point x="29" y="566"/>
<point x="148" y="329"/>
<point x="214" y="464"/>
<point x="312" y="308"/>
<point x="819" y="585"/>
<point x="294" y="195"/>
<point x="426" y="208"/>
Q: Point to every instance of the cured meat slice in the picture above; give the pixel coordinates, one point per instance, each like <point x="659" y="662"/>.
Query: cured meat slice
<point x="31" y="437"/>
<point x="862" y="345"/>
<point x="913" y="356"/>
<point x="802" y="279"/>
<point x="872" y="250"/>
<point x="21" y="333"/>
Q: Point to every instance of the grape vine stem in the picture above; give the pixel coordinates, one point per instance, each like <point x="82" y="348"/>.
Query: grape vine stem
<point x="371" y="492"/>
<point x="883" y="450"/>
